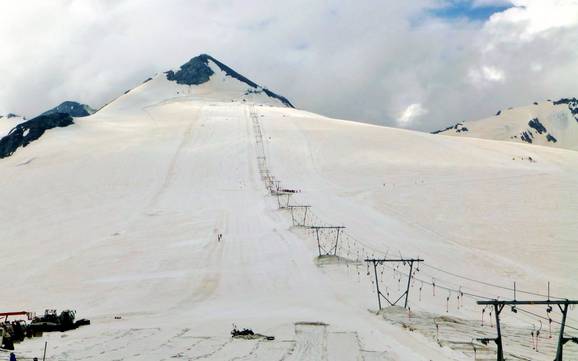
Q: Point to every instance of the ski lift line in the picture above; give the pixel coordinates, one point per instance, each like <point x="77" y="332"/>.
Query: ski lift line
<point x="477" y="281"/>
<point x="530" y="318"/>
<point x="465" y="293"/>
<point x="545" y="318"/>
<point x="459" y="291"/>
<point x="460" y="276"/>
<point x="484" y="283"/>
<point x="464" y="278"/>
<point x="446" y="282"/>
<point x="489" y="284"/>
<point x="473" y="295"/>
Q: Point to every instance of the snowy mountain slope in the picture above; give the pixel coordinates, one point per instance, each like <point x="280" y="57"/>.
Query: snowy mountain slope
<point x="71" y="108"/>
<point x="31" y="130"/>
<point x="125" y="223"/>
<point x="201" y="78"/>
<point x="8" y="122"/>
<point x="118" y="216"/>
<point x="547" y="123"/>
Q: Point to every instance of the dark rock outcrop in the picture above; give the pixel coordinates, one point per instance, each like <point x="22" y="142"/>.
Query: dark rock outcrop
<point x="29" y="131"/>
<point x="194" y="72"/>
<point x="539" y="127"/>
<point x="197" y="71"/>
<point x="458" y="127"/>
<point x="572" y="105"/>
<point x="565" y="101"/>
<point x="527" y="137"/>
<point x="73" y="109"/>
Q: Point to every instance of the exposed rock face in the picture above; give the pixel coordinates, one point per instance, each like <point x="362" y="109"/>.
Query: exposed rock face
<point x="73" y="109"/>
<point x="459" y="128"/>
<point x="572" y="105"/>
<point x="194" y="72"/>
<point x="29" y="131"/>
<point x="539" y="127"/>
<point x="527" y="137"/>
<point x="197" y="71"/>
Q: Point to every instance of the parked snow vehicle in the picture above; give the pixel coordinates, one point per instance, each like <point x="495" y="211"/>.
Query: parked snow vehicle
<point x="52" y="321"/>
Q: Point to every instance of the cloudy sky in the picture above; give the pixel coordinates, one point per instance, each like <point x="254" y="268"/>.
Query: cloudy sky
<point x="419" y="64"/>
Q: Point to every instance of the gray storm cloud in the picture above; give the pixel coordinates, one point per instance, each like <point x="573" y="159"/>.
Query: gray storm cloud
<point x="384" y="62"/>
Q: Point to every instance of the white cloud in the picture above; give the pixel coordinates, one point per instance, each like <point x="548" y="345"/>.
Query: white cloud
<point x="528" y="18"/>
<point x="493" y="74"/>
<point x="410" y="113"/>
<point x="322" y="57"/>
<point x="486" y="74"/>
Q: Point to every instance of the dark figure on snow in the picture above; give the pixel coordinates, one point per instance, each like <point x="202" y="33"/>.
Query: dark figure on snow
<point x="12" y="356"/>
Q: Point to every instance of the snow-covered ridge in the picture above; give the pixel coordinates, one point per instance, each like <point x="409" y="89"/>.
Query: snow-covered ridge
<point x="26" y="132"/>
<point x="16" y="132"/>
<point x="203" y="78"/>
<point x="197" y="71"/>
<point x="8" y="122"/>
<point x="549" y="123"/>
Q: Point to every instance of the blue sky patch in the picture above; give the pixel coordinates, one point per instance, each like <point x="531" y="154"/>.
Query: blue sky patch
<point x="466" y="9"/>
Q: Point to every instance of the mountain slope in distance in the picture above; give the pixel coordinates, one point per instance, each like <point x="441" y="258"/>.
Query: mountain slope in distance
<point x="203" y="78"/>
<point x="549" y="123"/>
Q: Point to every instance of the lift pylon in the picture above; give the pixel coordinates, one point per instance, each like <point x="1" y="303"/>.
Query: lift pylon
<point x="294" y="219"/>
<point x="322" y="250"/>
<point x="498" y="307"/>
<point x="379" y="261"/>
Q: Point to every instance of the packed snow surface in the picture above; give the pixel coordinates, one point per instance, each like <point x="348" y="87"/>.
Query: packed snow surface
<point x="118" y="216"/>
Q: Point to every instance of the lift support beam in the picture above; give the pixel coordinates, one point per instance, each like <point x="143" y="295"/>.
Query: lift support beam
<point x="295" y="221"/>
<point x="380" y="261"/>
<point x="333" y="250"/>
<point x="498" y="307"/>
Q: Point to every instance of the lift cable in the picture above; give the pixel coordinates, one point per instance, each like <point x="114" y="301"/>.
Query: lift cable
<point x="490" y="284"/>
